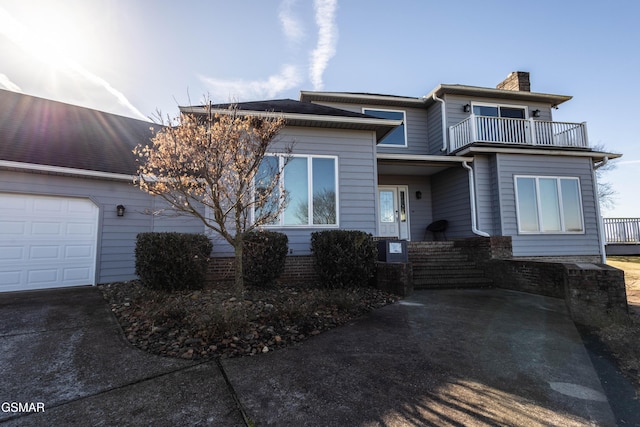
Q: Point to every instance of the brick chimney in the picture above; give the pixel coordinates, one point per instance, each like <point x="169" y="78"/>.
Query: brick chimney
<point x="517" y="81"/>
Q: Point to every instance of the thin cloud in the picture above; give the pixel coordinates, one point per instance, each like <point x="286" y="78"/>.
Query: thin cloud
<point x="243" y="90"/>
<point x="29" y="42"/>
<point x="628" y="162"/>
<point x="327" y="40"/>
<point x="291" y="25"/>
<point x="6" y="83"/>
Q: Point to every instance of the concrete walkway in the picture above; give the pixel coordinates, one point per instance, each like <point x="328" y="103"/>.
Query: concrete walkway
<point x="452" y="357"/>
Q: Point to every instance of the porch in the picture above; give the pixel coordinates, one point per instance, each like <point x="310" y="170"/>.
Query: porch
<point x="530" y="132"/>
<point x="622" y="236"/>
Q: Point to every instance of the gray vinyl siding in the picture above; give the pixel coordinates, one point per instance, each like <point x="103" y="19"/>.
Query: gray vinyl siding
<point x="420" y="211"/>
<point x="356" y="181"/>
<point x="548" y="244"/>
<point x="117" y="235"/>
<point x="456" y="114"/>
<point x="486" y="189"/>
<point x="434" y="130"/>
<point x="416" y="126"/>
<point x="450" y="198"/>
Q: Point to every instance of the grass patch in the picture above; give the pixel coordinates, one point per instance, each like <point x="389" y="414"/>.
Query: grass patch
<point x="630" y="259"/>
<point x="621" y="334"/>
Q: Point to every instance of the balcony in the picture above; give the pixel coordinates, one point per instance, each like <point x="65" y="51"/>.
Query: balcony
<point x="526" y="132"/>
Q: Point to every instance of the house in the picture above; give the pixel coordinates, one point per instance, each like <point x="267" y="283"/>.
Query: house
<point x="491" y="162"/>
<point x="64" y="170"/>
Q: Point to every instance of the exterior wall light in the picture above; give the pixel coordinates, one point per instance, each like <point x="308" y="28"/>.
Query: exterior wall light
<point x="466" y="108"/>
<point x="418" y="195"/>
<point x="120" y="210"/>
<point x="536" y="113"/>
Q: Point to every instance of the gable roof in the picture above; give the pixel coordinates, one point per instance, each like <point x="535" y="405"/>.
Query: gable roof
<point x="452" y="89"/>
<point x="299" y="113"/>
<point x="39" y="131"/>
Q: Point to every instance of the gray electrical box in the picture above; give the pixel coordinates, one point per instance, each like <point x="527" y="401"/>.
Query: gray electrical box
<point x="392" y="251"/>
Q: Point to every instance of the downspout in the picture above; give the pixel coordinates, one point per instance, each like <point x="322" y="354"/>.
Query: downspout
<point x="472" y="197"/>
<point x="603" y="253"/>
<point x="443" y="113"/>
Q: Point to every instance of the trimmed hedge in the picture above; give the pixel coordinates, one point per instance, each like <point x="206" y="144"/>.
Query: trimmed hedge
<point x="343" y="258"/>
<point x="263" y="257"/>
<point x="172" y="261"/>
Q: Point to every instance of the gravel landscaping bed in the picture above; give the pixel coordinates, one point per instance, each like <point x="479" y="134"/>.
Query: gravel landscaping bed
<point x="212" y="322"/>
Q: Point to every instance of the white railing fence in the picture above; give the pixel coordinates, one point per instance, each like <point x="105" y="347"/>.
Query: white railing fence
<point x="621" y="230"/>
<point x="517" y="131"/>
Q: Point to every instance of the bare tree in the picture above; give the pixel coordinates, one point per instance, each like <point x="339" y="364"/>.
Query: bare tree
<point x="606" y="193"/>
<point x="324" y="208"/>
<point x="213" y="163"/>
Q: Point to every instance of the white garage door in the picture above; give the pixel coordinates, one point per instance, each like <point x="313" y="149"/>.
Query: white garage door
<point x="46" y="242"/>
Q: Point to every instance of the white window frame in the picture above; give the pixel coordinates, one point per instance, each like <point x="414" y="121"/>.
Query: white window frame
<point x="281" y="188"/>
<point x="493" y="104"/>
<point x="538" y="204"/>
<point x="404" y="123"/>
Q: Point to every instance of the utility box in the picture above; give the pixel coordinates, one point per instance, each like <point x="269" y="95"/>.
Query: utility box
<point x="392" y="251"/>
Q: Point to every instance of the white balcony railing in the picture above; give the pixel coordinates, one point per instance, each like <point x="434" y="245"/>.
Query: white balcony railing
<point x="517" y="131"/>
<point x="622" y="230"/>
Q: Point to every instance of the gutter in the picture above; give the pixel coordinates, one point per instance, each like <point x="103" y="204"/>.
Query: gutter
<point x="472" y="197"/>
<point x="443" y="112"/>
<point x="601" y="237"/>
<point x="66" y="171"/>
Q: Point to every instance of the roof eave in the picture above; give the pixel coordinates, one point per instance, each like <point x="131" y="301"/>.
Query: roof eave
<point x="484" y="92"/>
<point x="361" y="98"/>
<point x="381" y="126"/>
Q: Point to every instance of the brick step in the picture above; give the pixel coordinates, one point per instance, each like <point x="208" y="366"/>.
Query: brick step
<point x="471" y="273"/>
<point x="440" y="260"/>
<point x="477" y="282"/>
<point x="430" y="243"/>
<point x="433" y="249"/>
<point x="436" y="256"/>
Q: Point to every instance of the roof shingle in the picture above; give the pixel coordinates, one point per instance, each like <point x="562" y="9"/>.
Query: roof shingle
<point x="44" y="132"/>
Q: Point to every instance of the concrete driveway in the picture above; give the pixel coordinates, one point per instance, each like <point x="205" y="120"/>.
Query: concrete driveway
<point x="451" y="357"/>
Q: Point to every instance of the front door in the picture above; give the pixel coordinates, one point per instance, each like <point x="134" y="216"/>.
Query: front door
<point x="393" y="212"/>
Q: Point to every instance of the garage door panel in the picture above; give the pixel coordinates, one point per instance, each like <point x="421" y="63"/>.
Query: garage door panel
<point x="79" y="275"/>
<point x="49" y="242"/>
<point x="11" y="278"/>
<point x="12" y="227"/>
<point x="10" y="254"/>
<point x="78" y="251"/>
<point x="78" y="229"/>
<point x="45" y="253"/>
<point x="43" y="276"/>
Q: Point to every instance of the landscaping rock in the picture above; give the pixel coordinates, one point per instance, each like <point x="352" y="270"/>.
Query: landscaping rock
<point x="213" y="323"/>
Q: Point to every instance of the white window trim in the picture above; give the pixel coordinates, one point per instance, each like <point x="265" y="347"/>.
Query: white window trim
<point x="404" y="122"/>
<point x="281" y="188"/>
<point x="493" y="104"/>
<point x="560" y="206"/>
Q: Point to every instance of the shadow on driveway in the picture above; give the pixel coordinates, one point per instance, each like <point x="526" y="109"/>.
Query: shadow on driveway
<point x="451" y="357"/>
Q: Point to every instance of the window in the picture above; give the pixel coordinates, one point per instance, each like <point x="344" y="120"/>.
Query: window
<point x="548" y="204"/>
<point x="310" y="183"/>
<point x="511" y="112"/>
<point x="398" y="136"/>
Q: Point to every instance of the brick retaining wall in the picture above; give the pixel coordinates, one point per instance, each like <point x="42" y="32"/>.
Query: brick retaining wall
<point x="297" y="270"/>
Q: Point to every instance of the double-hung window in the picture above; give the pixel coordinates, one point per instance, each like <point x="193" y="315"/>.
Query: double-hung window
<point x="549" y="204"/>
<point x="310" y="184"/>
<point x="398" y="136"/>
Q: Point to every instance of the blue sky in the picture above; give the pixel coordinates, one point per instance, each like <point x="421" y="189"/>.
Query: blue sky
<point x="134" y="57"/>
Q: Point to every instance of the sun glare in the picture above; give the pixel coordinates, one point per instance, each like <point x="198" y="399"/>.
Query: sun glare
<point x="50" y="36"/>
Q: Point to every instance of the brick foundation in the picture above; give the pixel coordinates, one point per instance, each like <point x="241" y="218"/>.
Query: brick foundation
<point x="394" y="277"/>
<point x="298" y="270"/>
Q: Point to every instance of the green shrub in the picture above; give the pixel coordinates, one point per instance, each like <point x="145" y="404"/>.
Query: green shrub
<point x="343" y="258"/>
<point x="172" y="261"/>
<point x="263" y="257"/>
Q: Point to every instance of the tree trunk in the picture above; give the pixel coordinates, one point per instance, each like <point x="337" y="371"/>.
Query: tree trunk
<point x="239" y="274"/>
